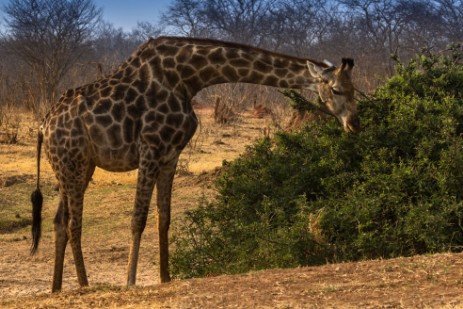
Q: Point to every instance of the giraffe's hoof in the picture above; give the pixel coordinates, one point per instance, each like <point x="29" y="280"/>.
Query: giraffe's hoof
<point x="165" y="279"/>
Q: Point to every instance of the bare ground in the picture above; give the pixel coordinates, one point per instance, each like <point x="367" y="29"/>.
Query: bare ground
<point x="434" y="281"/>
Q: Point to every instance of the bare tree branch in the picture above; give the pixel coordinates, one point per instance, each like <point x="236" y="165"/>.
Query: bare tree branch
<point x="50" y="36"/>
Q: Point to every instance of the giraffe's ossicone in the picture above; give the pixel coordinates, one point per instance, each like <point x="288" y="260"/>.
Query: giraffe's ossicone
<point x="140" y="117"/>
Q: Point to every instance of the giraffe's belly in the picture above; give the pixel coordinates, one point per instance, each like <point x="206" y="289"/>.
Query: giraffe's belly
<point x="116" y="160"/>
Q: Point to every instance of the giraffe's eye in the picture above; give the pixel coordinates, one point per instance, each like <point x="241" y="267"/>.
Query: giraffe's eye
<point x="336" y="92"/>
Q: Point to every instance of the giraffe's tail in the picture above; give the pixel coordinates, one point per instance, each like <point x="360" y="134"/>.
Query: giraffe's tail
<point x="37" y="200"/>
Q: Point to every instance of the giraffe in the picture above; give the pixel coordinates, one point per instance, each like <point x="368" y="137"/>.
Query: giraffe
<point x="140" y="117"/>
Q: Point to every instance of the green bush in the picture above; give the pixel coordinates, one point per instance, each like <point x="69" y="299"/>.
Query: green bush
<point x="319" y="195"/>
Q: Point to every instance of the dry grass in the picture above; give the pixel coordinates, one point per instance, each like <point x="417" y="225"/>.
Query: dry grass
<point x="418" y="282"/>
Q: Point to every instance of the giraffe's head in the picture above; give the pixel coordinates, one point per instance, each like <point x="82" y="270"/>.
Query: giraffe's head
<point x="334" y="86"/>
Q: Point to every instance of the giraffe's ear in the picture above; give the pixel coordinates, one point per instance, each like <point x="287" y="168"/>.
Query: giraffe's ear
<point x="319" y="72"/>
<point x="315" y="70"/>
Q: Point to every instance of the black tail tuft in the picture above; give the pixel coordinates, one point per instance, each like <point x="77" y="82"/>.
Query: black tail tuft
<point x="37" y="201"/>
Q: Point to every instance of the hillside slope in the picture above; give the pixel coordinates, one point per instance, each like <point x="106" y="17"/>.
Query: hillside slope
<point x="418" y="282"/>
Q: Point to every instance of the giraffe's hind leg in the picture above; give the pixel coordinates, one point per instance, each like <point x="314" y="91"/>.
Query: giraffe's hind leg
<point x="61" y="240"/>
<point x="68" y="226"/>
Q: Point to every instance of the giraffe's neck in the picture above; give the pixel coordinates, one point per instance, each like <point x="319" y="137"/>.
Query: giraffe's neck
<point x="189" y="65"/>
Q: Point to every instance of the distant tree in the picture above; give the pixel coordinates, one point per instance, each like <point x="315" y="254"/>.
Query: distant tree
<point x="146" y="30"/>
<point x="297" y="25"/>
<point x="451" y="12"/>
<point x="423" y="26"/>
<point x="113" y="45"/>
<point x="50" y="36"/>
<point x="244" y="21"/>
<point x="186" y="17"/>
<point x="377" y="26"/>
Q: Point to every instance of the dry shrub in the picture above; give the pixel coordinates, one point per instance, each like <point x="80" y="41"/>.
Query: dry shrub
<point x="9" y="127"/>
<point x="239" y="97"/>
<point x="260" y="111"/>
<point x="299" y="118"/>
<point x="223" y="114"/>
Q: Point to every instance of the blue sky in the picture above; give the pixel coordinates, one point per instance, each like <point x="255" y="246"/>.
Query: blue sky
<point x="125" y="13"/>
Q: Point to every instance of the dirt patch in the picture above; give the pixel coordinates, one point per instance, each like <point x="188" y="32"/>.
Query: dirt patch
<point x="203" y="180"/>
<point x="7" y="181"/>
<point x="9" y="227"/>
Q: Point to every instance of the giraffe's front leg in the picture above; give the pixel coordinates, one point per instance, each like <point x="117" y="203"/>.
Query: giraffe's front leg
<point x="164" y="187"/>
<point x="147" y="175"/>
